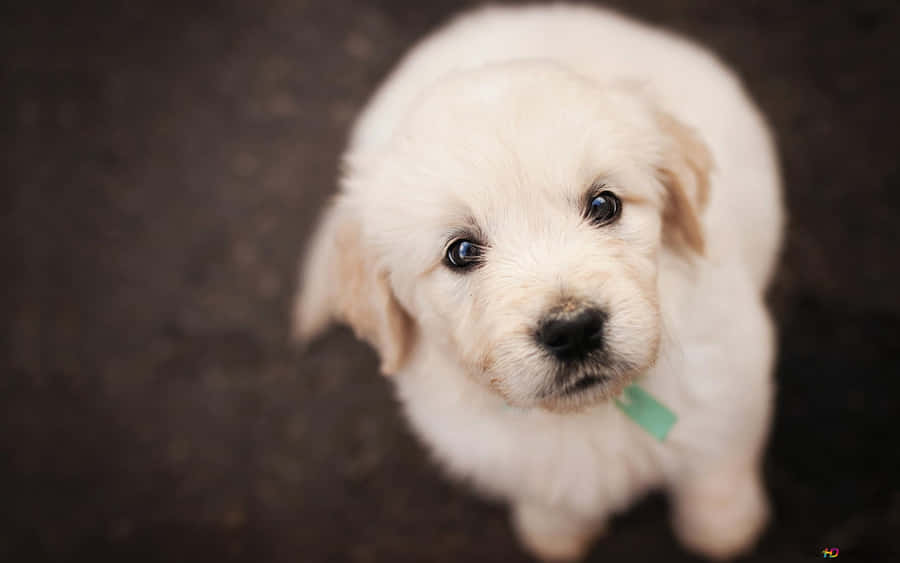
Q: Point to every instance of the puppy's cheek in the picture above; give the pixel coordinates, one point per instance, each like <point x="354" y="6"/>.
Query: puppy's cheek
<point x="447" y="315"/>
<point x="633" y="333"/>
<point x="518" y="368"/>
<point x="481" y="332"/>
<point x="634" y="328"/>
<point x="470" y="343"/>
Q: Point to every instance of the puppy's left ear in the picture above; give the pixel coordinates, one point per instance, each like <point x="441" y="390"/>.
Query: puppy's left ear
<point x="684" y="172"/>
<point x="342" y="281"/>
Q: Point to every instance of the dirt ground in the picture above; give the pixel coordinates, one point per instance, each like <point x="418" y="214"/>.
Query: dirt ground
<point x="164" y="162"/>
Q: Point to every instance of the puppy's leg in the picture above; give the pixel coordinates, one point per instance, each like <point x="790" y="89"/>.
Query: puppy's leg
<point x="553" y="534"/>
<point x="719" y="512"/>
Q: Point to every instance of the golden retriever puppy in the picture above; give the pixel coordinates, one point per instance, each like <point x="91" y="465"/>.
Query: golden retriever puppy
<point x="546" y="206"/>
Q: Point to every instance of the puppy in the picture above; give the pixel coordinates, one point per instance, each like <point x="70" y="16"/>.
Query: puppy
<point x="540" y="207"/>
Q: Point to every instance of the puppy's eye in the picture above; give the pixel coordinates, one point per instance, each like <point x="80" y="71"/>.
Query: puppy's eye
<point x="604" y="208"/>
<point x="463" y="254"/>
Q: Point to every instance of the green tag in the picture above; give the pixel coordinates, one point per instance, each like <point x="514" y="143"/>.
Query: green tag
<point x="642" y="408"/>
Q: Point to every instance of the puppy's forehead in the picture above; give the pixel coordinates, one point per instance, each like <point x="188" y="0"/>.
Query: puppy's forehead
<point x="515" y="145"/>
<point x="532" y="128"/>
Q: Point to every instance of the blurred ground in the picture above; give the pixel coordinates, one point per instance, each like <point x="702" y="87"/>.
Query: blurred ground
<point x="164" y="162"/>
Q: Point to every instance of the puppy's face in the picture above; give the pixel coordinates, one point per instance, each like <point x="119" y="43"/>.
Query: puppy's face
<point x="516" y="219"/>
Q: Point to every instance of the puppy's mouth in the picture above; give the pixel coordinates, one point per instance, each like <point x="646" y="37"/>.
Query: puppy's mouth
<point x="571" y="380"/>
<point x="583" y="384"/>
<point x="573" y="387"/>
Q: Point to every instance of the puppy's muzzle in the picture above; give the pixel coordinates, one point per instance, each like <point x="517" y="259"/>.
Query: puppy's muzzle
<point x="571" y="333"/>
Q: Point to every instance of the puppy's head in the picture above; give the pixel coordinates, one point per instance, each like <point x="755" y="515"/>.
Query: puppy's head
<point x="514" y="220"/>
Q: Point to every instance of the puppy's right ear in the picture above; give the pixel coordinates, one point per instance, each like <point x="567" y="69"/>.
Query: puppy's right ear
<point x="685" y="175"/>
<point x="341" y="281"/>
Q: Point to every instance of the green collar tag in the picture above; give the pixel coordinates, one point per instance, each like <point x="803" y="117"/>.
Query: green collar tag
<point x="641" y="407"/>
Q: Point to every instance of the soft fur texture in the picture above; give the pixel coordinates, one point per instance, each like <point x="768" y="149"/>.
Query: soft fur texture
<point x="496" y="127"/>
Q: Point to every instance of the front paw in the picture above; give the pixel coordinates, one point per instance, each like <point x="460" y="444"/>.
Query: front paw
<point x="552" y="535"/>
<point x="721" y="517"/>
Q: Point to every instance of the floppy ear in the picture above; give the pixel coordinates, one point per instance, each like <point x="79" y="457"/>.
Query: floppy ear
<point x="684" y="172"/>
<point x="340" y="280"/>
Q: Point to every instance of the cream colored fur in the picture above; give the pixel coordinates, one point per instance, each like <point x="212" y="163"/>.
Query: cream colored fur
<point x="498" y="124"/>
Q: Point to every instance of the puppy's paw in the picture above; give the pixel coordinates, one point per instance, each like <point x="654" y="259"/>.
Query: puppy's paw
<point x="721" y="517"/>
<point x="554" y="536"/>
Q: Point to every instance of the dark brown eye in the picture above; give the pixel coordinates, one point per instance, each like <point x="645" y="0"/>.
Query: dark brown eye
<point x="605" y="208"/>
<point x="462" y="254"/>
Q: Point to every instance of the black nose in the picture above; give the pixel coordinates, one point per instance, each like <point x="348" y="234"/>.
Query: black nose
<point x="572" y="335"/>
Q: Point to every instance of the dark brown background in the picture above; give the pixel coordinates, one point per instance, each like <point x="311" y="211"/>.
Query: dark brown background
<point x="164" y="162"/>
